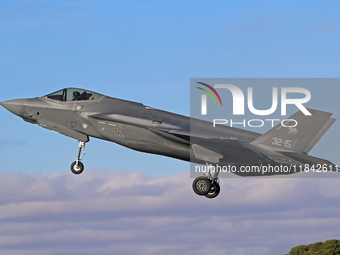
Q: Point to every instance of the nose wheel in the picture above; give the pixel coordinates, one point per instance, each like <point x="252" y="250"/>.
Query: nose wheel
<point x="77" y="167"/>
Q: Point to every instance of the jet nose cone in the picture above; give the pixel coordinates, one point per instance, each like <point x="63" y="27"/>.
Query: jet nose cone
<point x="14" y="106"/>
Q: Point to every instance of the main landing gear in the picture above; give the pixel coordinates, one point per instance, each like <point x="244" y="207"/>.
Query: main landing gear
<point x="77" y="167"/>
<point x="207" y="185"/>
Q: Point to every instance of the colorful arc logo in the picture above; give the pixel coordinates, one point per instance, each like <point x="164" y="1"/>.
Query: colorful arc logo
<point x="209" y="93"/>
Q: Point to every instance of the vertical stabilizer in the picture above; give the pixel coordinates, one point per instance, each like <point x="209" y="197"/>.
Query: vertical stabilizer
<point x="299" y="133"/>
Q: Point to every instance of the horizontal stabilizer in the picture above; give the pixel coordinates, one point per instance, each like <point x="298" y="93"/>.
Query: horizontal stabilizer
<point x="293" y="158"/>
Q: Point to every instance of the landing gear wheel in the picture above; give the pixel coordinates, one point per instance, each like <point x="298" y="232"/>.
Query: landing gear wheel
<point x="201" y="186"/>
<point x="214" y="190"/>
<point x="77" y="168"/>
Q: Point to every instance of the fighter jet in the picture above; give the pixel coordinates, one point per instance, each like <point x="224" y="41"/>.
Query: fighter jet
<point x="80" y="114"/>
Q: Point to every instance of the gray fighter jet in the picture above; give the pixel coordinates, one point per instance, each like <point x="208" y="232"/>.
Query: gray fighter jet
<point x="80" y="113"/>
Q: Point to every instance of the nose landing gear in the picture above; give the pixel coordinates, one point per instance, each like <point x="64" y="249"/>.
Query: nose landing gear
<point x="77" y="167"/>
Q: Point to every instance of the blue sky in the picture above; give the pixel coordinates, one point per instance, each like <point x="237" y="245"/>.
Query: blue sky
<point x="147" y="51"/>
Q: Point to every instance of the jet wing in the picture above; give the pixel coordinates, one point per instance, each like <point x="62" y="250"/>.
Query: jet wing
<point x="63" y="130"/>
<point x="193" y="134"/>
<point x="151" y="124"/>
<point x="135" y="121"/>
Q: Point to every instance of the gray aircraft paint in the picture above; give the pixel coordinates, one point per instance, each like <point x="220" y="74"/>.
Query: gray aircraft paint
<point x="155" y="131"/>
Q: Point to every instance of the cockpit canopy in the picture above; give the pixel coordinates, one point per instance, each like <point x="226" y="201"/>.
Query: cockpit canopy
<point x="73" y="94"/>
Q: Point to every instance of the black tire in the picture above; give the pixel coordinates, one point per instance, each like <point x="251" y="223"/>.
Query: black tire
<point x="77" y="169"/>
<point x="214" y="190"/>
<point x="201" y="186"/>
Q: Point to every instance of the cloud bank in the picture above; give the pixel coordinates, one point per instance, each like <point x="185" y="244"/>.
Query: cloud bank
<point x="117" y="212"/>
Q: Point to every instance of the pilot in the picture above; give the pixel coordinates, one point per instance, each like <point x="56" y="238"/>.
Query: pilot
<point x="76" y="95"/>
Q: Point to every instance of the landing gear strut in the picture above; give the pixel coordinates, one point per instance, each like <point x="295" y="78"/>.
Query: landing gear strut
<point x="207" y="185"/>
<point x="77" y="167"/>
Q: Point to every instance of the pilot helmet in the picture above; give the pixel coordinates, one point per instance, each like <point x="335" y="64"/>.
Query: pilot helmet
<point x="76" y="94"/>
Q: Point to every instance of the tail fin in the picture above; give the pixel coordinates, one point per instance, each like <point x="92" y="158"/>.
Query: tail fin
<point x="302" y="137"/>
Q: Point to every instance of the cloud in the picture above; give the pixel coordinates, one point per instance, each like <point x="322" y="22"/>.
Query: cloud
<point x="251" y="21"/>
<point x="105" y="212"/>
<point x="327" y="27"/>
<point x="4" y="143"/>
